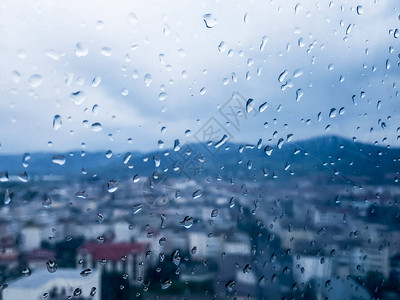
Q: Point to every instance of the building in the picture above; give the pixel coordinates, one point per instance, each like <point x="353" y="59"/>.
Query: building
<point x="57" y="285"/>
<point x="124" y="258"/>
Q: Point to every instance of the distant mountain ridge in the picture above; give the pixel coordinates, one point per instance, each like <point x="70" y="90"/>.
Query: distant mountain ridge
<point x="326" y="155"/>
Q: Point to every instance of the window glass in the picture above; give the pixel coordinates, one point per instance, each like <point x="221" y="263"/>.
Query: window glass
<point x="199" y="149"/>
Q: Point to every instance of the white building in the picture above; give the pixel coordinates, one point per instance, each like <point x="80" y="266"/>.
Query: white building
<point x="63" y="282"/>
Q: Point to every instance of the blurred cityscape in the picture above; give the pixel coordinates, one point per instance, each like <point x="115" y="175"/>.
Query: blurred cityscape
<point x="205" y="237"/>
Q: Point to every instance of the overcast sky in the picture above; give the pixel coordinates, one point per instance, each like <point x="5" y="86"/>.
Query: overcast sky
<point x="145" y="65"/>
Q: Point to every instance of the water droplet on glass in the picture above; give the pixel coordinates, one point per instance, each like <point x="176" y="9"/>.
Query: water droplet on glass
<point x="162" y="96"/>
<point x="86" y="272"/>
<point x="35" y="80"/>
<point x="96" y="127"/>
<point x="57" y="122"/>
<point x="51" y="266"/>
<point x="332" y="113"/>
<point x="209" y="20"/>
<point x="77" y="292"/>
<point x="166" y="284"/>
<point x="359" y="10"/>
<point x="249" y="105"/>
<point x="127" y="157"/>
<point x="81" y="50"/>
<point x="221" y="141"/>
<point x="148" y="79"/>
<point x="112" y="186"/>
<point x="197" y="194"/>
<point x="229" y="286"/>
<point x="187" y="222"/>
<point x="46" y="202"/>
<point x="25" y="159"/>
<point x="106" y="51"/>
<point x="96" y="81"/>
<point x="137" y="208"/>
<point x="59" y="159"/>
<point x="8" y="196"/>
<point x="26" y="272"/>
<point x="214" y="213"/>
<point x="282" y="76"/>
<point x="78" y="97"/>
<point x="177" y="145"/>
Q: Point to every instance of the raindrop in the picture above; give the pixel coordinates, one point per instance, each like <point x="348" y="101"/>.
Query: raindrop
<point x="162" y="96"/>
<point x="263" y="107"/>
<point x="51" y="266"/>
<point x="57" y="122"/>
<point x="46" y="202"/>
<point x="127" y="157"/>
<point x="187" y="222"/>
<point x="229" y="286"/>
<point x="25" y="159"/>
<point x="214" y="213"/>
<point x="81" y="50"/>
<point x="106" y="51"/>
<point x="78" y="97"/>
<point x="96" y="81"/>
<point x="86" y="272"/>
<point x="176" y="257"/>
<point x="166" y="284"/>
<point x="137" y="208"/>
<point x="177" y="145"/>
<point x="249" y="105"/>
<point x="280" y="143"/>
<point x="35" y="80"/>
<point x="8" y="195"/>
<point x="77" y="292"/>
<point x="209" y="20"/>
<point x="332" y="113"/>
<point x="282" y="76"/>
<point x="59" y="159"/>
<point x="221" y="141"/>
<point x="26" y="272"/>
<point x="359" y="10"/>
<point x="112" y="185"/>
<point x="148" y="79"/>
<point x="96" y="127"/>
<point x="197" y="194"/>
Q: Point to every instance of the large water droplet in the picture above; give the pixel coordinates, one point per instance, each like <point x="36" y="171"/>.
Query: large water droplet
<point x="106" y="51"/>
<point x="35" y="80"/>
<point x="209" y="20"/>
<point x="166" y="284"/>
<point x="86" y="272"/>
<point x="81" y="50"/>
<point x="197" y="194"/>
<point x="249" y="105"/>
<point x="187" y="222"/>
<point x="8" y="196"/>
<point x="78" y="97"/>
<point x="96" y="127"/>
<point x="51" y="266"/>
<point x="221" y="141"/>
<point x="57" y="122"/>
<point x="112" y="186"/>
<point x="59" y="159"/>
